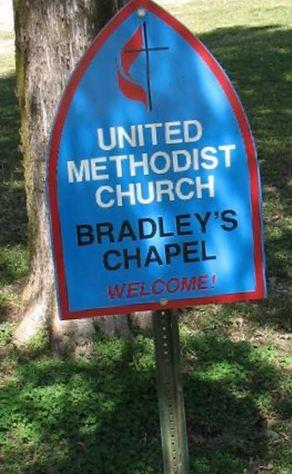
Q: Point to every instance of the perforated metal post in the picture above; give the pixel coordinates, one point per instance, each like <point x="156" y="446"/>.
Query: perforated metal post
<point x="170" y="393"/>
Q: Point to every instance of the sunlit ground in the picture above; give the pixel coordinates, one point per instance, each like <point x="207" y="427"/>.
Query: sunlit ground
<point x="99" y="415"/>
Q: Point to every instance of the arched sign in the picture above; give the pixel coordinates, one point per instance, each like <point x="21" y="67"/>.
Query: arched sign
<point x="153" y="181"/>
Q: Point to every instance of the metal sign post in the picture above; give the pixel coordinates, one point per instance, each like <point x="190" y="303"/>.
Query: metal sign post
<point x="170" y="393"/>
<point x="153" y="190"/>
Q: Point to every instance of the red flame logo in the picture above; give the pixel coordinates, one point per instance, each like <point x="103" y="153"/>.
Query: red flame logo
<point x="130" y="52"/>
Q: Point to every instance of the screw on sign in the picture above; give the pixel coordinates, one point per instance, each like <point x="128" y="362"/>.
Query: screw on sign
<point x="153" y="182"/>
<point x="150" y="125"/>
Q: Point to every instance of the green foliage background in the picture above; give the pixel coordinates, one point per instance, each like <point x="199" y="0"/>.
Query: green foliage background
<point x="99" y="414"/>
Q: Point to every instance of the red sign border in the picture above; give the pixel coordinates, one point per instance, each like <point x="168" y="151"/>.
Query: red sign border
<point x="260" y="291"/>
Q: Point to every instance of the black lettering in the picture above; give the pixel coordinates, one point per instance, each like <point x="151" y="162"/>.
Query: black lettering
<point x="180" y="224"/>
<point x="104" y="229"/>
<point x="204" y="253"/>
<point x="203" y="221"/>
<point x="128" y="258"/>
<point x="162" y="231"/>
<point x="189" y="250"/>
<point x="171" y="250"/>
<point x="233" y="222"/>
<point x="126" y="231"/>
<point x="84" y="234"/>
<point x="153" y="256"/>
<point x="106" y="261"/>
<point x="143" y="234"/>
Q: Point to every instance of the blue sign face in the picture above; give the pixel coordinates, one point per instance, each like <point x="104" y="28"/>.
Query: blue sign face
<point x="153" y="181"/>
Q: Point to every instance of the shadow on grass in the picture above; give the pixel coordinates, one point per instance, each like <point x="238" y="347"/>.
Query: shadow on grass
<point x="258" y="60"/>
<point x="13" y="224"/>
<point x="13" y="219"/>
<point x="101" y="415"/>
<point x="259" y="63"/>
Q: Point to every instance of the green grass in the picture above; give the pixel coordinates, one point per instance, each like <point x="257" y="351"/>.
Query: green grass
<point x="100" y="415"/>
<point x="13" y="236"/>
<point x="65" y="415"/>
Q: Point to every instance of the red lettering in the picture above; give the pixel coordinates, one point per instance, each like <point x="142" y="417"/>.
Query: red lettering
<point x="203" y="282"/>
<point x="172" y="285"/>
<point x="142" y="291"/>
<point x="188" y="284"/>
<point x="133" y="289"/>
<point x="155" y="291"/>
<point x="116" y="291"/>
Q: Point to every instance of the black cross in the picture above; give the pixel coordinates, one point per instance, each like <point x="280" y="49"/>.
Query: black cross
<point x="147" y="50"/>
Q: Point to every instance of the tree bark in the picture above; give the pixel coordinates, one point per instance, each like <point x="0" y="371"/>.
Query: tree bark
<point x="51" y="36"/>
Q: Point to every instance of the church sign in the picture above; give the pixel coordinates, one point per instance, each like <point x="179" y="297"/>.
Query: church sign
<point x="153" y="181"/>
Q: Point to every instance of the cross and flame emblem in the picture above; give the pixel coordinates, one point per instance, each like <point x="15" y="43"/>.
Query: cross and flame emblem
<point x="134" y="47"/>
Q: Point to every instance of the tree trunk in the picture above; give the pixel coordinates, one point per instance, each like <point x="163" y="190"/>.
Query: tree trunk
<point x="51" y="36"/>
